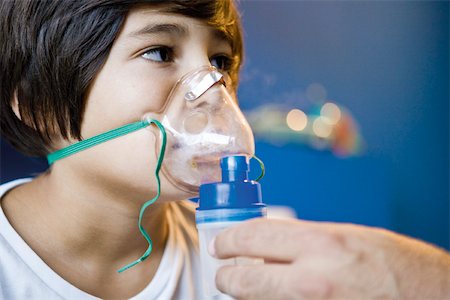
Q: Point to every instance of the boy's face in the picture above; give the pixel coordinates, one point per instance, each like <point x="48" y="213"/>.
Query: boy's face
<point x="152" y="51"/>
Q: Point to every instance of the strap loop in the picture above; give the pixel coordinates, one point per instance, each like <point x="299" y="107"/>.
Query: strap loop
<point x="263" y="168"/>
<point x="95" y="140"/>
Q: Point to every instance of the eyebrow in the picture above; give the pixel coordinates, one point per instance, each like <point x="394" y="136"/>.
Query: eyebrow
<point x="221" y="36"/>
<point x="175" y="29"/>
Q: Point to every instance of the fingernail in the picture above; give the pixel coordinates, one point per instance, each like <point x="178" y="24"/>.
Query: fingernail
<point x="211" y="247"/>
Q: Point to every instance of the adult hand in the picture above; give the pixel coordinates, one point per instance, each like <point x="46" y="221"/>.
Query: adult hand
<point x="311" y="260"/>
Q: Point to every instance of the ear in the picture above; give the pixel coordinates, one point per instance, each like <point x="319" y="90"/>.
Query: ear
<point x="15" y="106"/>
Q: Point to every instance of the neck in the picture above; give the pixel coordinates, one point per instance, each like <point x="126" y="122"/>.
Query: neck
<point x="86" y="230"/>
<point x="103" y="223"/>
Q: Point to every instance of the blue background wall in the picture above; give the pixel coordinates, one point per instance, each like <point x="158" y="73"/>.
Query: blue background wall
<point x="388" y="63"/>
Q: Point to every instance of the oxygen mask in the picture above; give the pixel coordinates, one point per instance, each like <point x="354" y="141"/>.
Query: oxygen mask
<point x="203" y="123"/>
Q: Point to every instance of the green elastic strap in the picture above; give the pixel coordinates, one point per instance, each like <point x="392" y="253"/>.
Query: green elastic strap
<point x="95" y="140"/>
<point x="150" y="202"/>
<point x="263" y="169"/>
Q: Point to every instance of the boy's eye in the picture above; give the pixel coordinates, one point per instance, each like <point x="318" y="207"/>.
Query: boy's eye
<point x="221" y="62"/>
<point x="159" y="54"/>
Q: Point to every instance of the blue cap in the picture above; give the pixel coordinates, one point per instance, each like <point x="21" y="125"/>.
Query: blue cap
<point x="235" y="190"/>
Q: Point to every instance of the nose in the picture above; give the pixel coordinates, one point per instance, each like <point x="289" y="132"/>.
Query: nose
<point x="205" y="97"/>
<point x="194" y="58"/>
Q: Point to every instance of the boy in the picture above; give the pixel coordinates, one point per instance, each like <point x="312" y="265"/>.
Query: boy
<point x="79" y="68"/>
<point x="76" y="69"/>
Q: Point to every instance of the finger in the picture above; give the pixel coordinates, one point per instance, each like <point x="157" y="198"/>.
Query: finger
<point x="275" y="240"/>
<point x="251" y="282"/>
<point x="270" y="282"/>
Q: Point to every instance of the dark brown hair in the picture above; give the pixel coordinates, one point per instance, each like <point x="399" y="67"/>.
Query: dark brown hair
<point x="50" y="51"/>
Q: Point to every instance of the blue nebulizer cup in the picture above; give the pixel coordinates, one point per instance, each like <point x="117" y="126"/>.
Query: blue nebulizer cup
<point x="224" y="204"/>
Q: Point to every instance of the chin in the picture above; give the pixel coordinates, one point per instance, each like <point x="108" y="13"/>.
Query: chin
<point x="144" y="190"/>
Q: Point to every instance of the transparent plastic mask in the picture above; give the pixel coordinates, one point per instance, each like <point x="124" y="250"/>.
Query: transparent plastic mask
<point x="203" y="123"/>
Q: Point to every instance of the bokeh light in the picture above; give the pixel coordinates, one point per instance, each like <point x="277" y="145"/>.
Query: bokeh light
<point x="321" y="128"/>
<point x="316" y="93"/>
<point x="330" y="113"/>
<point x="296" y="120"/>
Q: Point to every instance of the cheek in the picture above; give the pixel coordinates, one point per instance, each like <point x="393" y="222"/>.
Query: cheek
<point x="116" y="99"/>
<point x="123" y="162"/>
<point x="126" y="166"/>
